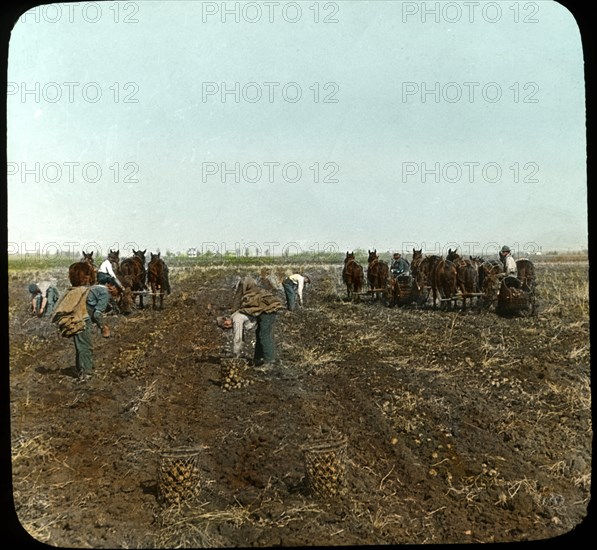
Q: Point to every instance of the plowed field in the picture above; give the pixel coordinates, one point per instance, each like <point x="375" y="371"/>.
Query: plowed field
<point x="458" y="427"/>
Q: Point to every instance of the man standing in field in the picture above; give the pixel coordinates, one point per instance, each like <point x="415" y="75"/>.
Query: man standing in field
<point x="253" y="301"/>
<point x="43" y="298"/>
<point x="293" y="288"/>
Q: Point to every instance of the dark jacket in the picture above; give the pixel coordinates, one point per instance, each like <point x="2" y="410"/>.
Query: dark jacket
<point x="251" y="299"/>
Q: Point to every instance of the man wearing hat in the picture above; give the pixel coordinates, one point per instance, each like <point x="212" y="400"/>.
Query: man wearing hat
<point x="508" y="262"/>
<point x="399" y="265"/>
<point x="43" y="298"/>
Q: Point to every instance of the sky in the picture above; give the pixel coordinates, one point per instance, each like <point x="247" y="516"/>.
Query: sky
<point x="296" y="126"/>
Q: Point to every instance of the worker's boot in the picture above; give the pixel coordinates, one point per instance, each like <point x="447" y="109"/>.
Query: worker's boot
<point x="106" y="331"/>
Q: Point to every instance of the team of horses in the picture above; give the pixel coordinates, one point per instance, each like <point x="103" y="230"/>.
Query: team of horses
<point x="353" y="275"/>
<point x="449" y="280"/>
<point x="136" y="279"/>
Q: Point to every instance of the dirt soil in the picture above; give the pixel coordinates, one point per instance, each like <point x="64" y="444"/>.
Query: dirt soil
<point x="460" y="427"/>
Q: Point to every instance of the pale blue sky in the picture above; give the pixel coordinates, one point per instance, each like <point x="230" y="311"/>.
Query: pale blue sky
<point x="169" y="54"/>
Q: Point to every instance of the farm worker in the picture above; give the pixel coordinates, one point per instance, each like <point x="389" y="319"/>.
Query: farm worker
<point x="44" y="296"/>
<point x="399" y="265"/>
<point x="105" y="274"/>
<point x="257" y="302"/>
<point x="239" y="323"/>
<point x="508" y="262"/>
<point x="293" y="288"/>
<point x="75" y="314"/>
<point x="96" y="303"/>
<point x="269" y="281"/>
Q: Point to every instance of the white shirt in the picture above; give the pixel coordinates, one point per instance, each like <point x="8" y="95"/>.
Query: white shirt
<point x="510" y="267"/>
<point x="240" y="322"/>
<point x="44" y="286"/>
<point x="300" y="281"/>
<point x="106" y="267"/>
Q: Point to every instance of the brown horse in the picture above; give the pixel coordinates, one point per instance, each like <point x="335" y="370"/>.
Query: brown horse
<point x="417" y="257"/>
<point x="133" y="275"/>
<point x="489" y="279"/>
<point x="444" y="283"/>
<point x="422" y="271"/>
<point x="526" y="274"/>
<point x="391" y="292"/>
<point x="377" y="274"/>
<point x="467" y="275"/>
<point x="126" y="299"/>
<point x="415" y="263"/>
<point x="353" y="275"/>
<point x="83" y="272"/>
<point x="157" y="278"/>
<point x="114" y="257"/>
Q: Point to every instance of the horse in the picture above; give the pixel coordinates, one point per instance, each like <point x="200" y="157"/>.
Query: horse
<point x="126" y="300"/>
<point x="377" y="273"/>
<point x="391" y="292"/>
<point x="467" y="275"/>
<point x="83" y="272"/>
<point x="157" y="278"/>
<point x="422" y="271"/>
<point x="415" y="268"/>
<point x="420" y="285"/>
<point x="132" y="274"/>
<point x="417" y="257"/>
<point x="444" y="282"/>
<point x="526" y="274"/>
<point x="489" y="278"/>
<point x="114" y="258"/>
<point x="353" y="275"/>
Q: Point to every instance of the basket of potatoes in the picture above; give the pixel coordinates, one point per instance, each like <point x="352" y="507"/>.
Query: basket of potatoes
<point x="178" y="476"/>
<point x="325" y="465"/>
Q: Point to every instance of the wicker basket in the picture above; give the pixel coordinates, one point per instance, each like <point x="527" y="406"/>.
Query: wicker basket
<point x="178" y="476"/>
<point x="325" y="463"/>
<point x="405" y="287"/>
<point x="513" y="300"/>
